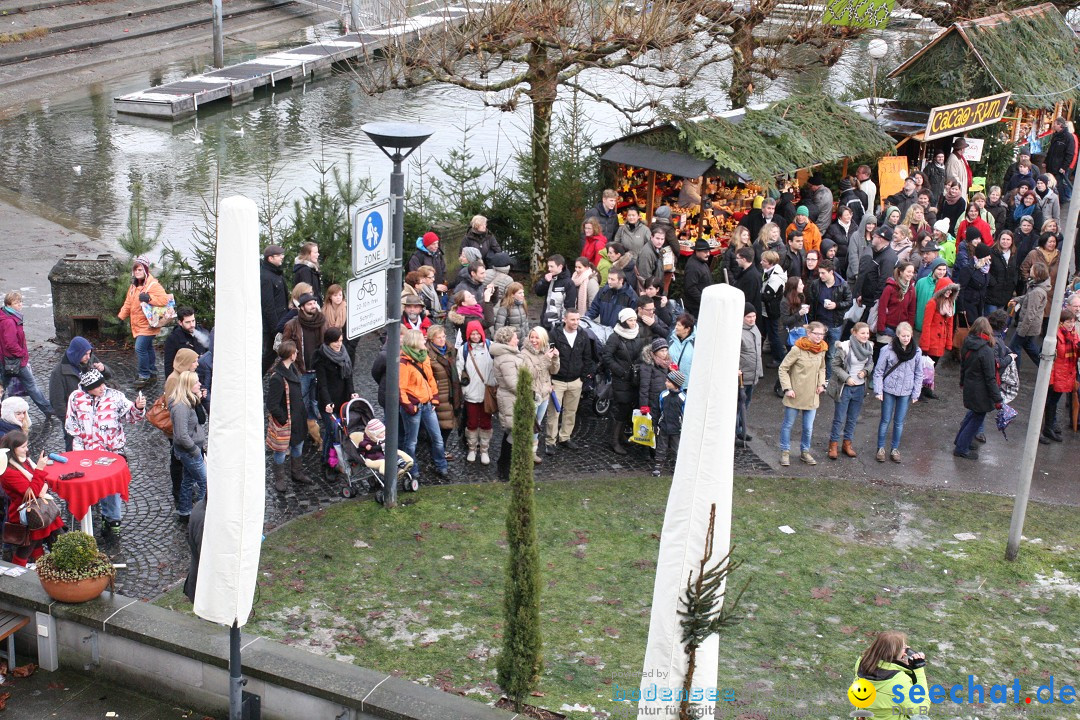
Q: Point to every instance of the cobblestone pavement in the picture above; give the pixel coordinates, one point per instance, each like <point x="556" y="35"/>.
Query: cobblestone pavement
<point x="153" y="543"/>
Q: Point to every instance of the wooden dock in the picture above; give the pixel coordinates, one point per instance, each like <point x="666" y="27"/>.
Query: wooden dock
<point x="237" y="83"/>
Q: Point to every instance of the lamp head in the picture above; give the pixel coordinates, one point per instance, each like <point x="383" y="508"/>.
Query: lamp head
<point x="397" y="137"/>
<point x="878" y="48"/>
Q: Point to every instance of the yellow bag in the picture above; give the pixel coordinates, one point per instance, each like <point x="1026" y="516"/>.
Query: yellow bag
<point x="643" y="430"/>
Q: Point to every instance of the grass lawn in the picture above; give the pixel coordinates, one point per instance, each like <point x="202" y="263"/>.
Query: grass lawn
<point x="418" y="591"/>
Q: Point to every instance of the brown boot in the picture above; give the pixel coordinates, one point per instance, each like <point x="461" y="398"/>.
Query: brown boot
<point x="316" y="434"/>
<point x="847" y="449"/>
<point x="299" y="477"/>
<point x="832" y="450"/>
<point x="279" y="477"/>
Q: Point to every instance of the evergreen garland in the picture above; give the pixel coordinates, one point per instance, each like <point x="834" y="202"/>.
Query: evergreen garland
<point x="520" y="662"/>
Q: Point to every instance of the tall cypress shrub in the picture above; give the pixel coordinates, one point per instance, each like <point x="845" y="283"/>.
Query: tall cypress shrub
<point x="520" y="662"/>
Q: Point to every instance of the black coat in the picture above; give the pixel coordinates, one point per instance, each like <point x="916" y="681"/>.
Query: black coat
<point x="178" y="339"/>
<point x="64" y="380"/>
<point x="851" y="199"/>
<point x="875" y="269"/>
<point x="841" y="295"/>
<point x="330" y="386"/>
<point x="978" y="375"/>
<point x="1001" y="284"/>
<point x="842" y="239"/>
<point x="306" y="273"/>
<point x="749" y="281"/>
<point x="280" y="378"/>
<point x="1060" y="153"/>
<point x="973" y="283"/>
<point x="620" y="356"/>
<point x="653" y="382"/>
<point x="575" y="362"/>
<point x="275" y="297"/>
<point x="697" y="277"/>
<point x="609" y="223"/>
<point x="484" y="242"/>
<point x="436" y="261"/>
<point x="755" y="220"/>
<point x="378" y="374"/>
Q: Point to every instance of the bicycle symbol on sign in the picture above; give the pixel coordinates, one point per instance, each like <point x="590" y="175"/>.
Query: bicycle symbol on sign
<point x="367" y="288"/>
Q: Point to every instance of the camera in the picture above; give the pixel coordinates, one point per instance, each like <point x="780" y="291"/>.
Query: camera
<point x="911" y="662"/>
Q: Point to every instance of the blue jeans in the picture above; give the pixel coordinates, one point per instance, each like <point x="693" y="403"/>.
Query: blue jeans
<point x="194" y="475"/>
<point x="1027" y="343"/>
<point x="847" y="410"/>
<point x="807" y="428"/>
<point x="26" y="377"/>
<point x="424" y="416"/>
<point x="777" y="339"/>
<point x="541" y="411"/>
<point x="110" y="507"/>
<point x="144" y="353"/>
<point x="294" y="450"/>
<point x="330" y="434"/>
<point x="833" y="337"/>
<point x="894" y="408"/>
<point x="307" y="389"/>
<point x="968" y="429"/>
<point x="740" y="417"/>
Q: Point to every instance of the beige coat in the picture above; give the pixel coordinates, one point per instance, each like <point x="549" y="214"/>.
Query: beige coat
<point x="505" y="363"/>
<point x="542" y="368"/>
<point x="803" y="372"/>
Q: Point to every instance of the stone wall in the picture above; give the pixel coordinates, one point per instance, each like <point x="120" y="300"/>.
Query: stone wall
<point x="82" y="294"/>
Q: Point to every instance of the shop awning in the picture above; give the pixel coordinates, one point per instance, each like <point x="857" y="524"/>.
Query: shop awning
<point x="643" y="156"/>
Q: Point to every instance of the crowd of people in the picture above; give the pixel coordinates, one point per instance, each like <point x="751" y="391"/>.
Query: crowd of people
<point x="862" y="295"/>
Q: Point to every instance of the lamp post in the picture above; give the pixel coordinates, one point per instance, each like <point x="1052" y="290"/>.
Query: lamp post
<point x="397" y="141"/>
<point x="877" y="49"/>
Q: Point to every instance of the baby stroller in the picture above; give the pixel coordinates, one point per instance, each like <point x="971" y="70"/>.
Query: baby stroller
<point x="596" y="393"/>
<point x="355" y="415"/>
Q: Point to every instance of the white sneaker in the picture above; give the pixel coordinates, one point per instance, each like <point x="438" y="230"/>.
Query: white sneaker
<point x="471" y="457"/>
<point x="484" y="459"/>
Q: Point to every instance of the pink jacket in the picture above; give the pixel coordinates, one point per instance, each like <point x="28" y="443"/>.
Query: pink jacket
<point x="95" y="422"/>
<point x="12" y="337"/>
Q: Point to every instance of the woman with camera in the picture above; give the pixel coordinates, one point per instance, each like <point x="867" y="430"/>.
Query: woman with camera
<point x="889" y="663"/>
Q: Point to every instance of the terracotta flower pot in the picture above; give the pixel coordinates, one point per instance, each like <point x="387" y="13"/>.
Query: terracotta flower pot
<point x="75" y="592"/>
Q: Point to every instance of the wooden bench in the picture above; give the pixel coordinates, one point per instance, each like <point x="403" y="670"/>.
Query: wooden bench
<point x="11" y="623"/>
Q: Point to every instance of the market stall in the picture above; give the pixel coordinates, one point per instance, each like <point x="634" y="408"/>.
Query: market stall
<point x="709" y="170"/>
<point x="1030" y="53"/>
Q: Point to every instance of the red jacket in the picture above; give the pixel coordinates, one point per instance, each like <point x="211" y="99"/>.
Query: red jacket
<point x="12" y="337"/>
<point x="937" y="332"/>
<point x="1063" y="377"/>
<point x="593" y="245"/>
<point x="15" y="484"/>
<point x="893" y="309"/>
<point x="984" y="228"/>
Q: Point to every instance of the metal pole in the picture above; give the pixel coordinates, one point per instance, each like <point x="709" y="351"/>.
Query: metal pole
<point x="219" y="36"/>
<point x="393" y="331"/>
<point x="1042" y="383"/>
<point x="354" y="15"/>
<point x="236" y="680"/>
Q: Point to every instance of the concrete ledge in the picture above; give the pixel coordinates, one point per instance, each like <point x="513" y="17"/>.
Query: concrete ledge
<point x="185" y="660"/>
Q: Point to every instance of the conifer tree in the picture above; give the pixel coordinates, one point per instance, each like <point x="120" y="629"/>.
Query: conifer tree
<point x="520" y="662"/>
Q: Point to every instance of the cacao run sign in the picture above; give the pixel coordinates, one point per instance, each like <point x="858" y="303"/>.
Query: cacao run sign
<point x="963" y="116"/>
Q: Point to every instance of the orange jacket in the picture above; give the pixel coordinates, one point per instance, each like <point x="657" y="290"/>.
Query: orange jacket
<point x="811" y="235"/>
<point x="416" y="383"/>
<point x="132" y="309"/>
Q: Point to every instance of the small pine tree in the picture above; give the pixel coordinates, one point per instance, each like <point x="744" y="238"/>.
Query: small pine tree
<point x="199" y="266"/>
<point x="704" y="611"/>
<point x="520" y="662"/>
<point x="320" y="218"/>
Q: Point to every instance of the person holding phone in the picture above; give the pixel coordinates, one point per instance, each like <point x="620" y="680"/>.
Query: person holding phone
<point x="18" y="474"/>
<point x="95" y="420"/>
<point x="889" y="662"/>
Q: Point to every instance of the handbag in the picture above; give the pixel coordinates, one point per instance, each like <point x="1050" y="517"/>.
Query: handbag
<point x="795" y="333"/>
<point x="491" y="399"/>
<point x="960" y="335"/>
<point x="159" y="416"/>
<point x="643" y="430"/>
<point x="16" y="534"/>
<point x="39" y="512"/>
<point x="278" y="435"/>
<point x="12" y="365"/>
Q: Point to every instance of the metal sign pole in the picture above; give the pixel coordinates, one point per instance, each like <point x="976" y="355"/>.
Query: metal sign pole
<point x="1042" y="383"/>
<point x="393" y="331"/>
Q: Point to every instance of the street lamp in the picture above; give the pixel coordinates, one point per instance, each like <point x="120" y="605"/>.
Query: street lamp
<point x="877" y="49"/>
<point x="397" y="141"/>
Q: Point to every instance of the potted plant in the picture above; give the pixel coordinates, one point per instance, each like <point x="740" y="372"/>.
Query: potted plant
<point x="75" y="571"/>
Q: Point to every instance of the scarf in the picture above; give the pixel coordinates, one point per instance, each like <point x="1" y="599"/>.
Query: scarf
<point x="417" y="356"/>
<point x="581" y="280"/>
<point x="626" y="333"/>
<point x="335" y="317"/>
<point x="13" y="312"/>
<point x="946" y="306"/>
<point x="1022" y="210"/>
<point x="861" y="351"/>
<point x="314" y="321"/>
<point x="200" y="412"/>
<point x="338" y="357"/>
<point x="903" y="354"/>
<point x="808" y="345"/>
<point x="903" y="285"/>
<point x="471" y="310"/>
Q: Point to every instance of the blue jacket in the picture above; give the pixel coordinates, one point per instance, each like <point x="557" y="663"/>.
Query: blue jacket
<point x="904" y="380"/>
<point x="608" y="303"/>
<point x="682" y="353"/>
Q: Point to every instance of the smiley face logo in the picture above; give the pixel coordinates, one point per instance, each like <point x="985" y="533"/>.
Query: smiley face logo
<point x="861" y="693"/>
